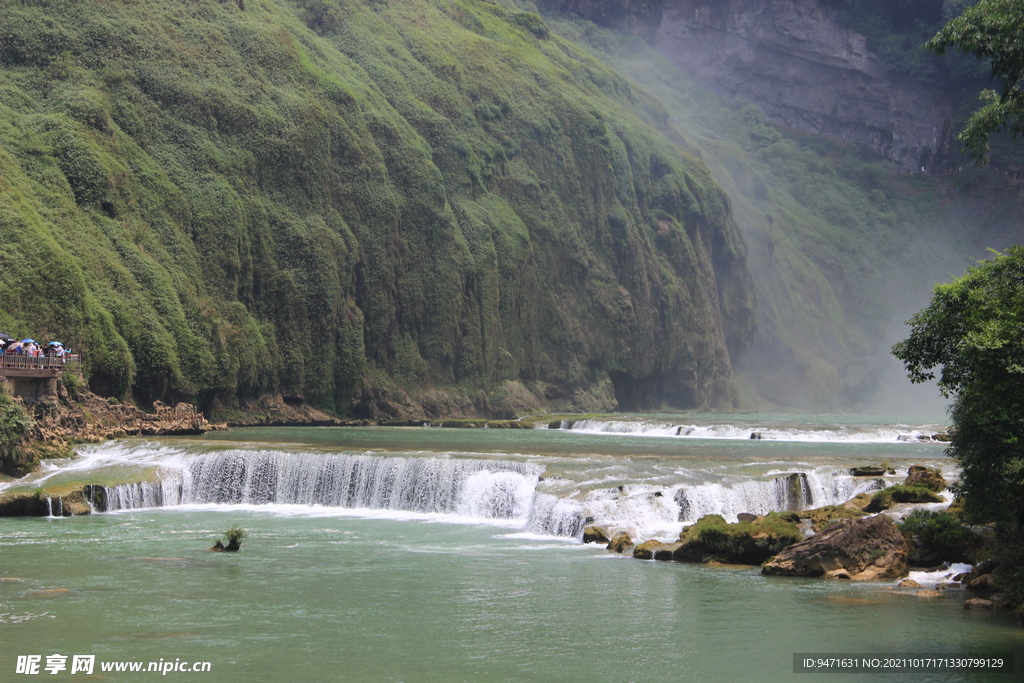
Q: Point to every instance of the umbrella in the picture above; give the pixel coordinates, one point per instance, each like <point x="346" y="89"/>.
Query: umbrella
<point x="28" y="341"/>
<point x="55" y="344"/>
<point x="5" y="337"/>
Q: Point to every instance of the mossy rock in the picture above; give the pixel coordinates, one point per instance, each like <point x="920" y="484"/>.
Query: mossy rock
<point x="595" y="534"/>
<point x="872" y="470"/>
<point x="621" y="543"/>
<point x="885" y="499"/>
<point x="822" y="517"/>
<point x="648" y="549"/>
<point x="926" y="477"/>
<point x="858" y="502"/>
<point x="714" y="539"/>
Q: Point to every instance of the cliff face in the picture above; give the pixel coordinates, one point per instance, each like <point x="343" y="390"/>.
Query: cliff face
<point x="381" y="208"/>
<point x="797" y="62"/>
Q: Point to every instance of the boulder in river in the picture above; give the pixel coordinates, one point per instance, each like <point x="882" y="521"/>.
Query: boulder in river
<point x="925" y="477"/>
<point x="886" y="498"/>
<point x="869" y="548"/>
<point x="621" y="543"/>
<point x="595" y="534"/>
<point x="714" y="539"/>
<point x="872" y="471"/>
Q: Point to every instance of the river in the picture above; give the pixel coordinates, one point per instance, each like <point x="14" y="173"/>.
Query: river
<point x="448" y="555"/>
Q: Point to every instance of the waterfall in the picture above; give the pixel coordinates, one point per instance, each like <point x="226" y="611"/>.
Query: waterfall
<point x="797" y="491"/>
<point x="473" y="488"/>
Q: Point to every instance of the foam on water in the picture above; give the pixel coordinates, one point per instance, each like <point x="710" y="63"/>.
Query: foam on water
<point x="930" y="579"/>
<point x="844" y="434"/>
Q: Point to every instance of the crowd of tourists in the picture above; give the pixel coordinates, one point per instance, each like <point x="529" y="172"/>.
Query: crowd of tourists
<point x="26" y="351"/>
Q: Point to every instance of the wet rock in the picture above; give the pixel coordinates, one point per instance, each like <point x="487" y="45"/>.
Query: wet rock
<point x="928" y="594"/>
<point x="746" y="517"/>
<point x="872" y="471"/>
<point x="798" y="491"/>
<point x="595" y="534"/>
<point x="925" y="477"/>
<point x="756" y="436"/>
<point x="978" y="603"/>
<point x="984" y="584"/>
<point x="621" y="543"/>
<point x="648" y="549"/>
<point x="684" y="504"/>
<point x="870" y="548"/>
<point x="909" y="583"/>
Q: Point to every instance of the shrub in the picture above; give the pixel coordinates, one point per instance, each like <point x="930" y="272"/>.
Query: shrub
<point x="940" y="535"/>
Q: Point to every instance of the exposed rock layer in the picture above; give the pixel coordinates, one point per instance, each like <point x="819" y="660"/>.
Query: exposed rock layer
<point x="871" y="548"/>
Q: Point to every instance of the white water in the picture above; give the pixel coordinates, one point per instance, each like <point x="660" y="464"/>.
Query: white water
<point x="513" y="492"/>
<point x="832" y="434"/>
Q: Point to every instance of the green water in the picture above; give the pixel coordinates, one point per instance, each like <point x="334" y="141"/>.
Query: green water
<point x="321" y="594"/>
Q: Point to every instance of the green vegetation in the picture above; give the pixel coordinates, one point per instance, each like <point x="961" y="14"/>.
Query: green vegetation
<point x="991" y="31"/>
<point x="971" y="333"/>
<point x="714" y="539"/>
<point x="940" y="536"/>
<point x="14" y="421"/>
<point x="838" y="243"/>
<point x="822" y="517"/>
<point x="886" y="498"/>
<point x="312" y="197"/>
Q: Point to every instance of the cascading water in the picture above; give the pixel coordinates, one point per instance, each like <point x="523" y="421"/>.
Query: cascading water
<point x="796" y="491"/>
<point x="647" y="497"/>
<point x="472" y="488"/>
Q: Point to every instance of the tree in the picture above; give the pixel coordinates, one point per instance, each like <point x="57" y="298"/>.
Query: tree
<point x="972" y="334"/>
<point x="991" y="29"/>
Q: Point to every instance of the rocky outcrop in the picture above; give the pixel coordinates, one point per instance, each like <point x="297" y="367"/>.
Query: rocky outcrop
<point x="859" y="549"/>
<point x="925" y="477"/>
<point x="886" y="498"/>
<point x="793" y="58"/>
<point x="871" y="471"/>
<point x="805" y="69"/>
<point x="60" y="419"/>
<point x="595" y="534"/>
<point x="714" y="539"/>
<point x="621" y="543"/>
<point x="40" y="504"/>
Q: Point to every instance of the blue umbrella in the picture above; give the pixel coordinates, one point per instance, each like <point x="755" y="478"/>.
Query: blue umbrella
<point x="28" y="341"/>
<point x="55" y="344"/>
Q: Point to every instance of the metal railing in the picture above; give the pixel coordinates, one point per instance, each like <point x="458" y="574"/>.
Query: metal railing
<point x="15" y="361"/>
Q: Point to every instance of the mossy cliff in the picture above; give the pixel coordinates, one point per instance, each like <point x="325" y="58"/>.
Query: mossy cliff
<point x="344" y="202"/>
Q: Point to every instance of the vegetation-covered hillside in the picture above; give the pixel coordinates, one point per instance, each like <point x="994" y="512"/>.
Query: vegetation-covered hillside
<point x="426" y="206"/>
<point x="841" y="247"/>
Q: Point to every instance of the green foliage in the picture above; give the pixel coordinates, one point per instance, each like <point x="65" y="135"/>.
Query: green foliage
<point x="991" y="30"/>
<point x="972" y="331"/>
<point x="289" y="197"/>
<point x="714" y="539"/>
<point x="940" y="533"/>
<point x="886" y="498"/>
<point x="14" y="421"/>
<point x="235" y="535"/>
<point x="830" y="230"/>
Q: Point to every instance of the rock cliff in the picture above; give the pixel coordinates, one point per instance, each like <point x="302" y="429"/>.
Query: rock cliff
<point x="797" y="61"/>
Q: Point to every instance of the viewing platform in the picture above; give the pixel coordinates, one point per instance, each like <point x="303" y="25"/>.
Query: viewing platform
<point x="39" y="366"/>
<point x="34" y="378"/>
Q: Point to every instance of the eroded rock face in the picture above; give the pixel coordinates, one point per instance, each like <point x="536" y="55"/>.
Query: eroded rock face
<point x="859" y="549"/>
<point x="805" y="69"/>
